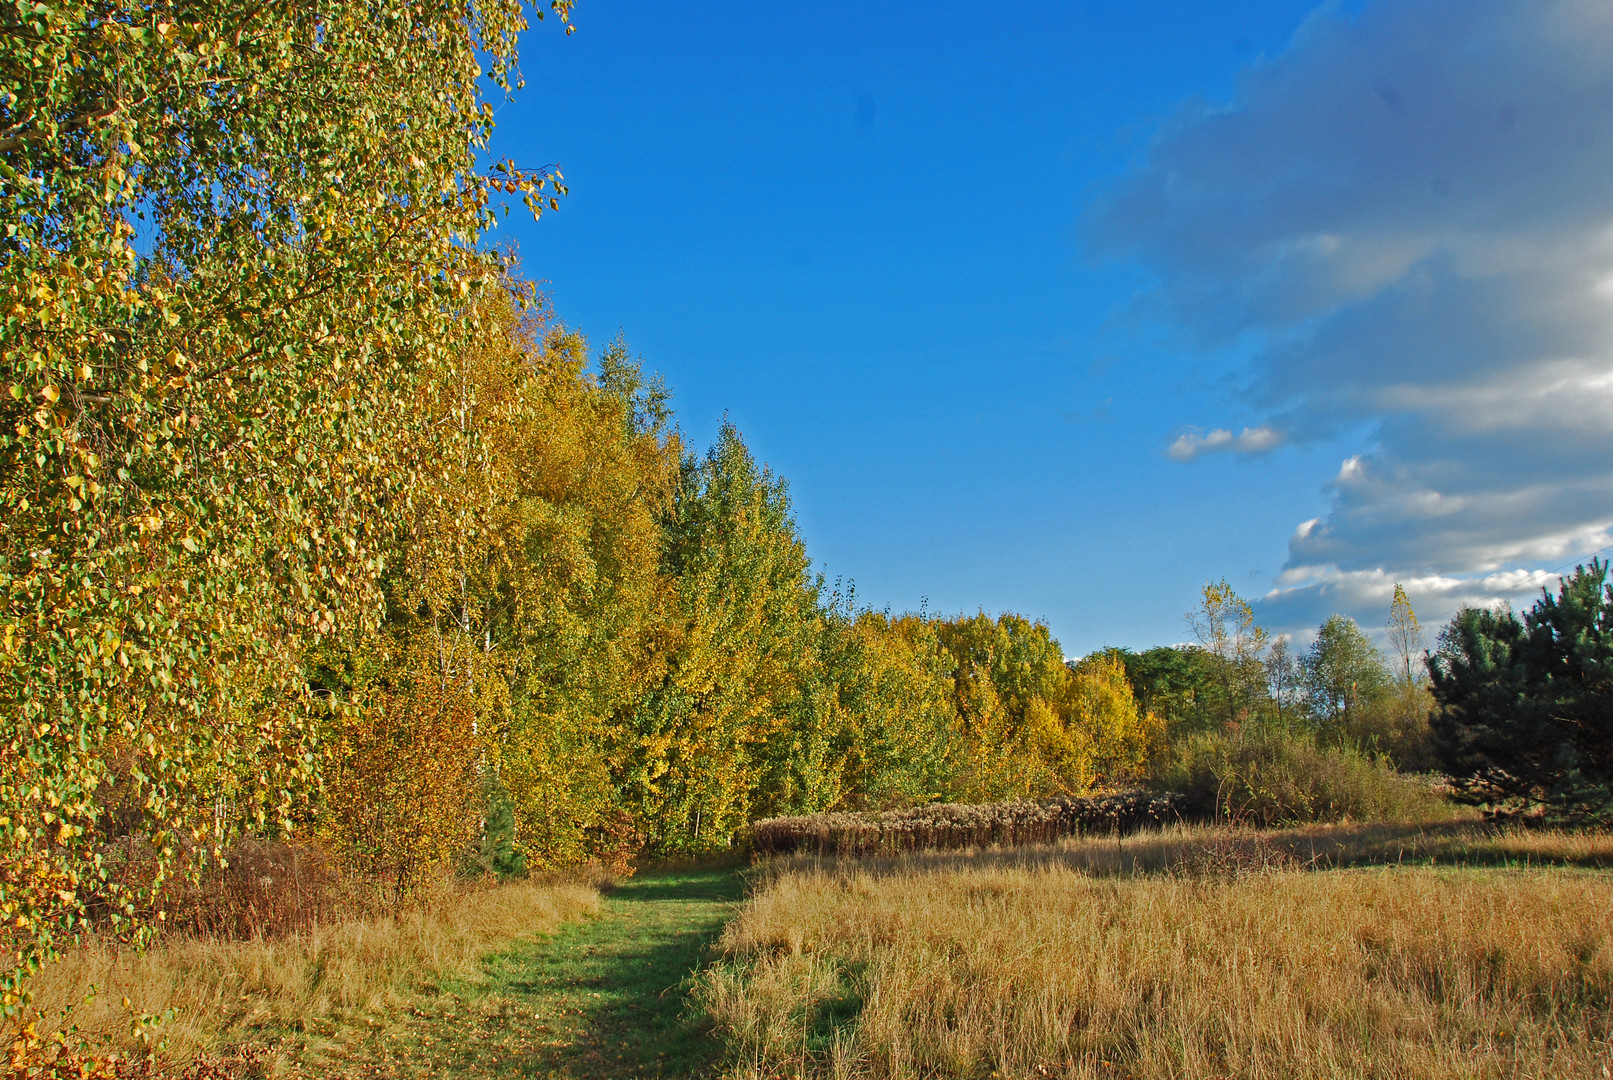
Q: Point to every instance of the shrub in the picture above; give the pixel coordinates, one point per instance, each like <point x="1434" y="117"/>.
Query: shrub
<point x="1394" y="727"/>
<point x="260" y="889"/>
<point x="400" y="804"/>
<point x="961" y="825"/>
<point x="1265" y="776"/>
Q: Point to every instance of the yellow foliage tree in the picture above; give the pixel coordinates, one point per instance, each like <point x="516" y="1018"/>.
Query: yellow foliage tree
<point x="530" y="550"/>
<point x="400" y="801"/>
<point x="236" y="234"/>
<point x="875" y="727"/>
<point x="1115" y="737"/>
<point x="738" y="664"/>
<point x="1008" y="674"/>
<point x="904" y="738"/>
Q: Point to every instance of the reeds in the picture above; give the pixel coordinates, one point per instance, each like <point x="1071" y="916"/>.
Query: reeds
<point x="1196" y="953"/>
<point x="951" y="826"/>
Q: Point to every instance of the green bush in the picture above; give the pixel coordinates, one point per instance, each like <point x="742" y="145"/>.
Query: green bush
<point x="1269" y="776"/>
<point x="1395" y="728"/>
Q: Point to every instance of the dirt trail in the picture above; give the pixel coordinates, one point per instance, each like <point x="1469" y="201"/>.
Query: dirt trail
<point x="602" y="998"/>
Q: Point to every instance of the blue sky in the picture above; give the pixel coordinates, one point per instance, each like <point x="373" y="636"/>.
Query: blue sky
<point x="1066" y="308"/>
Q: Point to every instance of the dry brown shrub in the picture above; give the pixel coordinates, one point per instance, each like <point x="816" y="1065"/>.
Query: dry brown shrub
<point x="1200" y="953"/>
<point x="260" y="889"/>
<point x="951" y="826"/>
<point x="401" y="789"/>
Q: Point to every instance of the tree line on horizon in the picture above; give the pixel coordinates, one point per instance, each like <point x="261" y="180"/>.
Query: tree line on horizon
<point x="1343" y="689"/>
<point x="1513" y="710"/>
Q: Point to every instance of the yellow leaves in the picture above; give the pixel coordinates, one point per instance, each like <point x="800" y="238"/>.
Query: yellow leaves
<point x="1119" y="735"/>
<point x="402" y="789"/>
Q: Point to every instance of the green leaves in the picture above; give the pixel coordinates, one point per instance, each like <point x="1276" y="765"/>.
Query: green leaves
<point x="1524" y="703"/>
<point x="215" y="317"/>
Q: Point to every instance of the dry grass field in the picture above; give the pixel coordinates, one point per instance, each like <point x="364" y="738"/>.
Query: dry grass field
<point x="1194" y="953"/>
<point x="321" y="983"/>
<point x="1209" y="850"/>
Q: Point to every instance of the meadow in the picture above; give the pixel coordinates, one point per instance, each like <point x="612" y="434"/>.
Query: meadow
<point x="1195" y="952"/>
<point x="1449" y="948"/>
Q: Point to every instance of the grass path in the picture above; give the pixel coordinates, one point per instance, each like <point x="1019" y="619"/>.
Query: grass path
<point x="601" y="998"/>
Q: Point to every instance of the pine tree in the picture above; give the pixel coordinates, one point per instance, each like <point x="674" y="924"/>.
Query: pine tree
<point x="1525" y="717"/>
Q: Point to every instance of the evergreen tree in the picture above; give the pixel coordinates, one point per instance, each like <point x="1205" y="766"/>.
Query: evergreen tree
<point x="1525" y="713"/>
<point x="1179" y="684"/>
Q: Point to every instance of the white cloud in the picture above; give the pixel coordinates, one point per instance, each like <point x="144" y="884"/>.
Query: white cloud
<point x="1409" y="213"/>
<point x="1251" y="440"/>
<point x="1306" y="596"/>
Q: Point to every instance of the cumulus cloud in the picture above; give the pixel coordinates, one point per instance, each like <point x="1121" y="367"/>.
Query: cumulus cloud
<point x="1408" y="211"/>
<point x="1298" y="608"/>
<point x="1255" y="440"/>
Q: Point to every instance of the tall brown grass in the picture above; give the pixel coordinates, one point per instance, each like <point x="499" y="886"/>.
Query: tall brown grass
<point x="264" y="889"/>
<point x="1219" y="849"/>
<point x="310" y="983"/>
<point x="1229" y="961"/>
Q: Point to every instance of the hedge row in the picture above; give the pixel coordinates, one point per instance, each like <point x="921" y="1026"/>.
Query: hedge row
<point x="959" y="825"/>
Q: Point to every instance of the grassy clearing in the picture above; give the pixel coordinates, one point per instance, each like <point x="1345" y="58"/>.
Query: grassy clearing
<point x="603" y="998"/>
<point x="524" y="979"/>
<point x="1189" y="954"/>
<point x="313" y="994"/>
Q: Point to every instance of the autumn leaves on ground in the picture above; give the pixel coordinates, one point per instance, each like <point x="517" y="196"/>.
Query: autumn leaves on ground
<point x="369" y="638"/>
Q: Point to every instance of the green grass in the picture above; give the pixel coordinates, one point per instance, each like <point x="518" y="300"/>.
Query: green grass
<point x="601" y="998"/>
